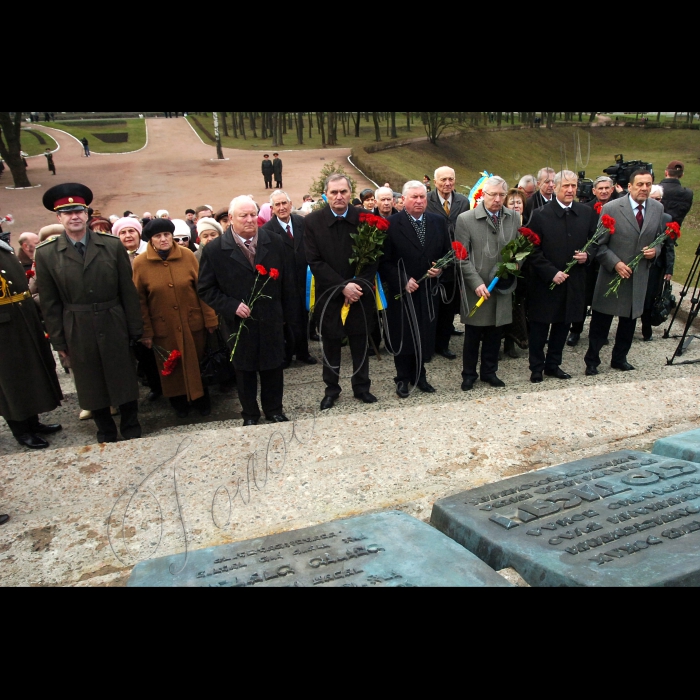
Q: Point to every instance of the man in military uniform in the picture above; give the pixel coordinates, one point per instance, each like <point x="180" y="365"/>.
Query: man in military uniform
<point x="28" y="382"/>
<point x="92" y="311"/>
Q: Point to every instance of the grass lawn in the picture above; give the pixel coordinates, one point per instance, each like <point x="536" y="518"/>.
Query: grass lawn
<point x="31" y="144"/>
<point x="513" y="154"/>
<point x="135" y="128"/>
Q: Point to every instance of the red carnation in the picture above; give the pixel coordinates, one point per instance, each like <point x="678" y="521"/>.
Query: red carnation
<point x="261" y="270"/>
<point x="673" y="231"/>
<point x="609" y="223"/>
<point x="460" y="251"/>
<point x="366" y="217"/>
<point x="382" y="224"/>
<point x="170" y="365"/>
<point x="530" y="235"/>
<point x="598" y="208"/>
<point x="275" y="274"/>
<point x="30" y="274"/>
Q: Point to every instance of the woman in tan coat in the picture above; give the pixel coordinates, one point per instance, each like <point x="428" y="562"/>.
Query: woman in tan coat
<point x="174" y="318"/>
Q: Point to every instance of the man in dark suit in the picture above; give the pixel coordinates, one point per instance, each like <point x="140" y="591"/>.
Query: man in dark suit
<point x="277" y="168"/>
<point x="544" y="194"/>
<point x="639" y="221"/>
<point x="329" y="248"/>
<point x="417" y="239"/>
<point x="290" y="228"/>
<point x="564" y="228"/>
<point x="445" y="202"/>
<point x="678" y="200"/>
<point x="227" y="276"/>
<point x="268" y="170"/>
<point x="384" y="197"/>
<point x="604" y="191"/>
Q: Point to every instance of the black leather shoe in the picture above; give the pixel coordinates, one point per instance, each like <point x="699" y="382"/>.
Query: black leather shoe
<point x="468" y="384"/>
<point x="183" y="412"/>
<point x="154" y="396"/>
<point x="308" y="360"/>
<point x="573" y="340"/>
<point x="4" y="519"/>
<point x="327" y="403"/>
<point x="402" y="390"/>
<point x="281" y="418"/>
<point x="536" y="378"/>
<point x="205" y="411"/>
<point x="623" y="366"/>
<point x="592" y="371"/>
<point x="32" y="442"/>
<point x="494" y="381"/>
<point x="250" y="422"/>
<point x="447" y="354"/>
<point x="648" y="339"/>
<point x="557" y="373"/>
<point x="425" y="387"/>
<point x="41" y="429"/>
<point x="366" y="398"/>
<point x="607" y="342"/>
<point x="457" y="332"/>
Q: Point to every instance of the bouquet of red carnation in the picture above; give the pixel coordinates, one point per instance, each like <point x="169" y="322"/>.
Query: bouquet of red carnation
<point x="256" y="293"/>
<point x="457" y="254"/>
<point x="367" y="248"/>
<point x="170" y="360"/>
<point x="598" y="208"/>
<point x="607" y="223"/>
<point x="513" y="255"/>
<point x="673" y="231"/>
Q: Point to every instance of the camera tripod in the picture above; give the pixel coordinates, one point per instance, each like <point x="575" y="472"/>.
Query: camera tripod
<point x="693" y="282"/>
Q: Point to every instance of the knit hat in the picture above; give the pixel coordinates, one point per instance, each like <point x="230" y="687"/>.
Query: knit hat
<point x="208" y="224"/>
<point x="156" y="226"/>
<point x="127" y="222"/>
<point x="182" y="228"/>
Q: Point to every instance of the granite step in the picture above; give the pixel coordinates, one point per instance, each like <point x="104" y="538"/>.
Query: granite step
<point x="201" y="487"/>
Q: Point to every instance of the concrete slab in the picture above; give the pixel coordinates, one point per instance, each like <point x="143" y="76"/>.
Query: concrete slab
<point x="389" y="550"/>
<point x="624" y="519"/>
<point x="685" y="446"/>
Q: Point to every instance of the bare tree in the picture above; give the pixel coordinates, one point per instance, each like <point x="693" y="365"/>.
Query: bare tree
<point x="11" y="147"/>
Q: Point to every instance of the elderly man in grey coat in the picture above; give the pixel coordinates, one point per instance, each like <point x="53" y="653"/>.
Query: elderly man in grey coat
<point x="485" y="232"/>
<point x="639" y="221"/>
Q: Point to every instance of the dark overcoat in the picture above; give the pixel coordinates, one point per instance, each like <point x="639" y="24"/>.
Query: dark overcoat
<point x="403" y="245"/>
<point x="277" y="168"/>
<point x="562" y="233"/>
<point x="226" y="280"/>
<point x="296" y="254"/>
<point x="329" y="250"/>
<point x="624" y="246"/>
<point x="28" y="382"/>
<point x="174" y="316"/>
<point x="460" y="205"/>
<point x="268" y="168"/>
<point x="91" y="309"/>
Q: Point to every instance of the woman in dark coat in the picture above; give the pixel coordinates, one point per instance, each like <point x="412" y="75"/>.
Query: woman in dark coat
<point x="174" y="318"/>
<point x="403" y="245"/>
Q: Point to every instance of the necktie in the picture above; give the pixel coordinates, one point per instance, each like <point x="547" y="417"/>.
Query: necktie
<point x="247" y="244"/>
<point x="640" y="216"/>
<point x="448" y="209"/>
<point x="289" y="231"/>
<point x="80" y="247"/>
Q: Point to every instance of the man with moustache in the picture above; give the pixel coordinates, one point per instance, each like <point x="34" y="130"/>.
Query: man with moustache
<point x="416" y="240"/>
<point x="291" y="229"/>
<point x="639" y="221"/>
<point x="564" y="228"/>
<point x="329" y="249"/>
<point x="445" y="202"/>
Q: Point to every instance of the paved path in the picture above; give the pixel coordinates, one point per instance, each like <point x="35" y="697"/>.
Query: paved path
<point x="174" y="172"/>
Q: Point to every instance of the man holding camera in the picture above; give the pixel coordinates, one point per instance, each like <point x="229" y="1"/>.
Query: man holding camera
<point x="678" y="200"/>
<point x="639" y="221"/>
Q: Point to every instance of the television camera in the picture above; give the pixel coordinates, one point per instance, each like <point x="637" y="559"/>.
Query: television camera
<point x="620" y="174"/>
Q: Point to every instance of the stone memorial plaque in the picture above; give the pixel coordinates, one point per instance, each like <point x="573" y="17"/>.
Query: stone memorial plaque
<point x="683" y="446"/>
<point x="382" y="550"/>
<point x="627" y="519"/>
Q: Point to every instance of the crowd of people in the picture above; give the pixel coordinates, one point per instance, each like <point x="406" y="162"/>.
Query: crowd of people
<point x="128" y="299"/>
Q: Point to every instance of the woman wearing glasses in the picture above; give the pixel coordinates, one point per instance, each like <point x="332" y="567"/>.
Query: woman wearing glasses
<point x="174" y="318"/>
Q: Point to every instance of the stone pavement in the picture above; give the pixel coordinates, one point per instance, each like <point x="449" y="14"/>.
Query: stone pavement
<point x="174" y="172"/>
